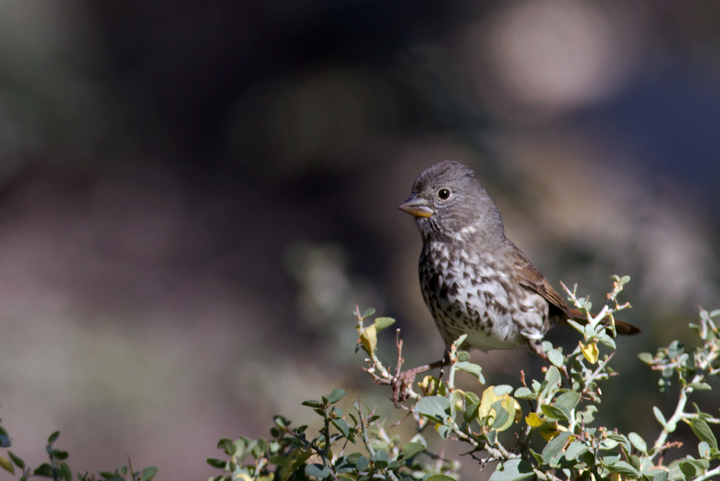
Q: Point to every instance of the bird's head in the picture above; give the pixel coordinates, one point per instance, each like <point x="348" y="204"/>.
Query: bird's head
<point x="448" y="202"/>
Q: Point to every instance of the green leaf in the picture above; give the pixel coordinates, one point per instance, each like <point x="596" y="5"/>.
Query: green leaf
<point x="53" y="437"/>
<point x="368" y="313"/>
<point x="524" y="393"/>
<point x="607" y="340"/>
<point x="501" y="417"/>
<point x="661" y="476"/>
<point x="7" y="465"/>
<point x="700" y="386"/>
<point x="383" y="323"/>
<point x="217" y="463"/>
<point x="336" y="395"/>
<point x="434" y="407"/>
<point x="312" y="403"/>
<point x="575" y="449"/>
<point x="555" y="445"/>
<point x="458" y="342"/>
<point x="463" y="356"/>
<point x="281" y="422"/>
<point x="703" y="432"/>
<point x="342" y="426"/>
<point x="659" y="416"/>
<point x="687" y="468"/>
<point x="624" y="469"/>
<point x="317" y="471"/>
<point x="578" y="327"/>
<point x="471" y="412"/>
<point x="638" y="442"/>
<point x="502" y="389"/>
<point x="588" y="416"/>
<point x="551" y="378"/>
<point x="471" y="397"/>
<point x="43" y="470"/>
<point x="66" y="472"/>
<point x="148" y="473"/>
<point x="18" y="462"/>
<point x="621" y="439"/>
<point x="567" y="401"/>
<point x="555" y="357"/>
<point x="512" y="470"/>
<point x="607" y="444"/>
<point x="700" y="464"/>
<point x="411" y="449"/>
<point x="471" y="368"/>
<point x="555" y="412"/>
<point x="704" y="449"/>
<point x="440" y="477"/>
<point x="380" y="458"/>
<point x="228" y="446"/>
<point x="57" y="454"/>
<point x="362" y="463"/>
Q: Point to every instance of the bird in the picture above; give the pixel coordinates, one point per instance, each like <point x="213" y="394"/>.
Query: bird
<point x="475" y="280"/>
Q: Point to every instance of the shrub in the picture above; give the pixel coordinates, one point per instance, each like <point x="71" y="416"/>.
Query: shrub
<point x="555" y="436"/>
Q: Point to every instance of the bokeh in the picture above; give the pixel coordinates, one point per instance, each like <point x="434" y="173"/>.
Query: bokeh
<point x="195" y="195"/>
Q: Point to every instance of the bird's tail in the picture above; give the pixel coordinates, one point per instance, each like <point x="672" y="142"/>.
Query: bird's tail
<point x="623" y="328"/>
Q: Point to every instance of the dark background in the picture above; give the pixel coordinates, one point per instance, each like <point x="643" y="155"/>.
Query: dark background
<point x="194" y="196"/>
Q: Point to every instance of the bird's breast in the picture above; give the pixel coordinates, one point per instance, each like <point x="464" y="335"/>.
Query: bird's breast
<point x="466" y="295"/>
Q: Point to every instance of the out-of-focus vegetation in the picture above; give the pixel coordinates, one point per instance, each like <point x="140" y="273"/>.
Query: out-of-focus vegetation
<point x="195" y="196"/>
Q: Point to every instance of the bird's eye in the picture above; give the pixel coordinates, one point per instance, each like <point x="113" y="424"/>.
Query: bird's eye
<point x="444" y="194"/>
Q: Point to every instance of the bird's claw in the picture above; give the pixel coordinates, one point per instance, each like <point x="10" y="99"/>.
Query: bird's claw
<point x="401" y="383"/>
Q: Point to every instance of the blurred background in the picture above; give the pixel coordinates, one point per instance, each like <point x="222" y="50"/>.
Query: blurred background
<point x="194" y="196"/>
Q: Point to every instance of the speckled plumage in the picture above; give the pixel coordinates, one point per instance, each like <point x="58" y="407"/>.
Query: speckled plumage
<point x="474" y="280"/>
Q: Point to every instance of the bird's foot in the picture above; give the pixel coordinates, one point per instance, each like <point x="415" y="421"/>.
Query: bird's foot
<point x="402" y="382"/>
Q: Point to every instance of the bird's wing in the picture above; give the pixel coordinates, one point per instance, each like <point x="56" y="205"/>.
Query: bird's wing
<point x="530" y="277"/>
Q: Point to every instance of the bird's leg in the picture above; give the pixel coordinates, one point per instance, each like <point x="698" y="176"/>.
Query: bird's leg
<point x="536" y="347"/>
<point x="445" y="362"/>
<point x="403" y="380"/>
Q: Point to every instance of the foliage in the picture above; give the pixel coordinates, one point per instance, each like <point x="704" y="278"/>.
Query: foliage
<point x="554" y="437"/>
<point x="551" y="418"/>
<point x="58" y="469"/>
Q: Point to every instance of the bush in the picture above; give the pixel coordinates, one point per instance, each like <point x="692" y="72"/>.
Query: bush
<point x="58" y="469"/>
<point x="554" y="439"/>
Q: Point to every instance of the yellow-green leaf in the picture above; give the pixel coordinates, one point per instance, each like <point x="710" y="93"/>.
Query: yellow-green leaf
<point x="383" y="323"/>
<point x="488" y="399"/>
<point x="590" y="352"/>
<point x="369" y="339"/>
<point x="7" y="465"/>
<point x="508" y="404"/>
<point x="533" y="420"/>
<point x="487" y="413"/>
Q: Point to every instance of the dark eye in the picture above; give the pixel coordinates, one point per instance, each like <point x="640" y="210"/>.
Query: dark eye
<point x="444" y="194"/>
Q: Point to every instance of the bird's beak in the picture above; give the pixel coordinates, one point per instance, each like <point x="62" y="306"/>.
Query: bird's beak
<point x="416" y="206"/>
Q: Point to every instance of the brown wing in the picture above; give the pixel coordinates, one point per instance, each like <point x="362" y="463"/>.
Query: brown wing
<point x="530" y="277"/>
